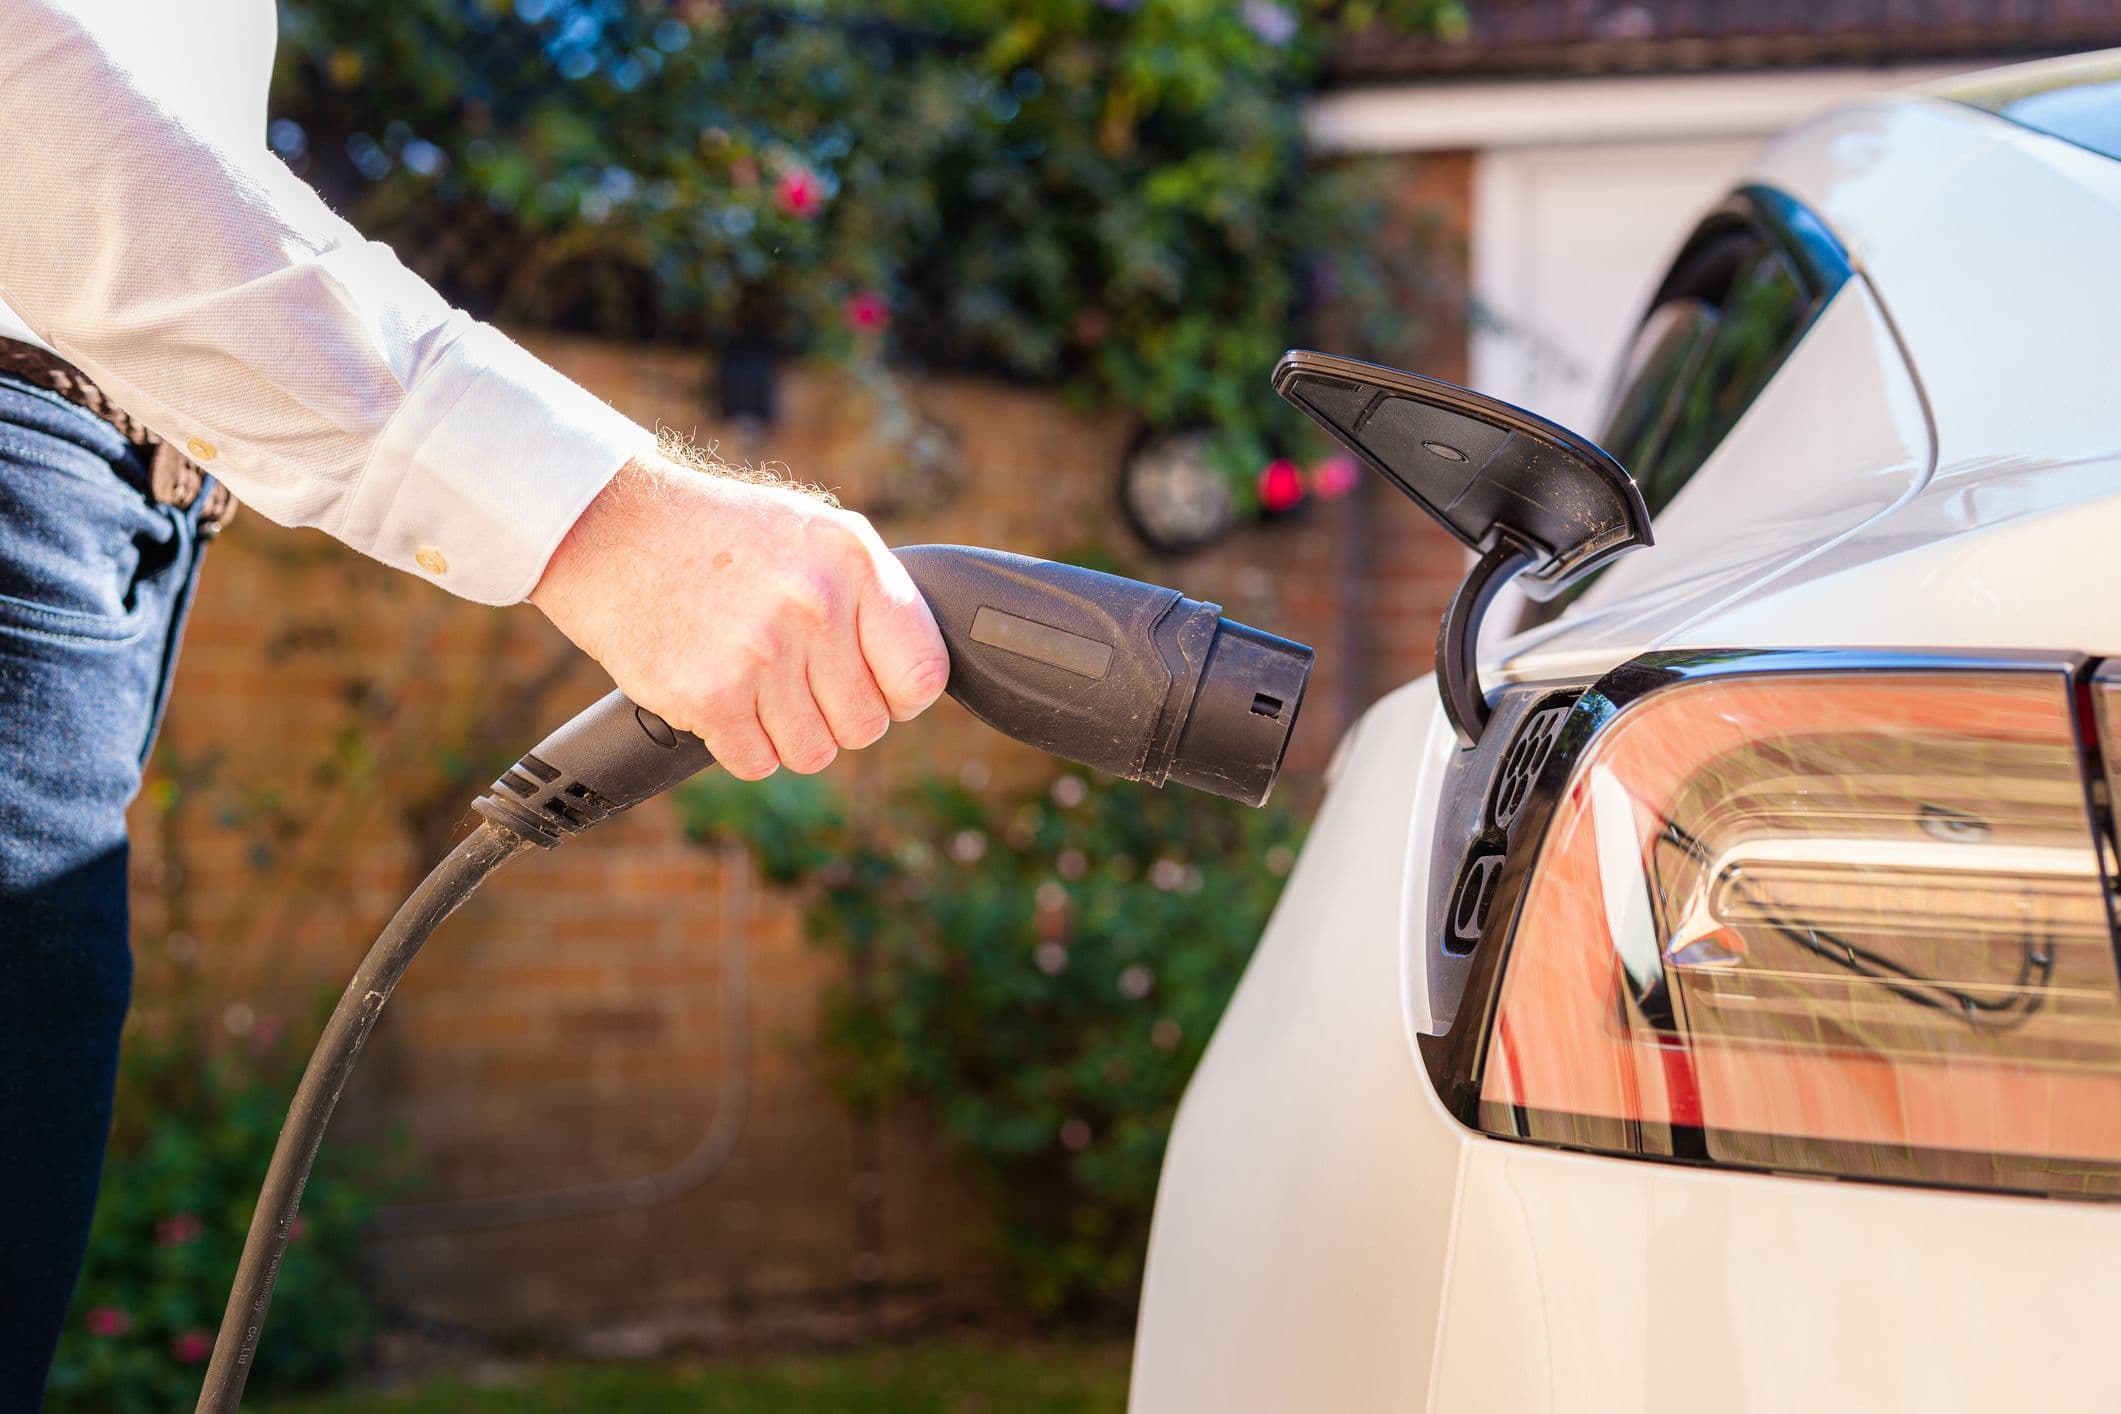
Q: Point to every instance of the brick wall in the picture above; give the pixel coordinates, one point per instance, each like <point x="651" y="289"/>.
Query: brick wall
<point x="332" y="719"/>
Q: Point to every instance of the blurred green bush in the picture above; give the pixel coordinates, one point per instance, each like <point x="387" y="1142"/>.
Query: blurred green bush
<point x="193" y="1132"/>
<point x="1109" y="194"/>
<point x="1042" y="973"/>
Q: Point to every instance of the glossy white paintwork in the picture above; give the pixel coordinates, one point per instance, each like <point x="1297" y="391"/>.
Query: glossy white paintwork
<point x="1847" y="439"/>
<point x="2012" y="539"/>
<point x="1939" y="464"/>
<point x="1287" y="1183"/>
<point x="1581" y="1283"/>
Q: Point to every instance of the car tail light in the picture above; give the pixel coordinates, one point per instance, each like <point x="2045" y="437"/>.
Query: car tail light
<point x="1850" y="923"/>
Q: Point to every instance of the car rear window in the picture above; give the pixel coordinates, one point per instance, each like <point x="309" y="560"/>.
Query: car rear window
<point x="1739" y="297"/>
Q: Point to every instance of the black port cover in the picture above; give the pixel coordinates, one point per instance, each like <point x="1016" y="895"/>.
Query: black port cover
<point x="1478" y="465"/>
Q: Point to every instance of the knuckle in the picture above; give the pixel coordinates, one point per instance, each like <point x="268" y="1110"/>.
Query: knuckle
<point x="720" y="701"/>
<point x="756" y="649"/>
<point x="742" y="757"/>
<point x="923" y="679"/>
<point x="866" y="729"/>
<point x="812" y="597"/>
<point x="829" y="536"/>
<point x="811" y="757"/>
<point x="852" y="528"/>
<point x="856" y="545"/>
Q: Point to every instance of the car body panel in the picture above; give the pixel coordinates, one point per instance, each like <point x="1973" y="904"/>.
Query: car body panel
<point x="1845" y="431"/>
<point x="2027" y="444"/>
<point x="1856" y="166"/>
<point x="1938" y="464"/>
<point x="1301" y="1151"/>
<point x="1649" y="1287"/>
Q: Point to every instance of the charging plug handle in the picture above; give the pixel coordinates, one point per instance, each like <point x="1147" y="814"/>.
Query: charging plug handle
<point x="1126" y="677"/>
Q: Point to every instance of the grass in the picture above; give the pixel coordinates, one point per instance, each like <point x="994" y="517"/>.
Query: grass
<point x="948" y="1377"/>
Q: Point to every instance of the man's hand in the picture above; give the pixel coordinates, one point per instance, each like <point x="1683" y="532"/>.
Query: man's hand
<point x="773" y="626"/>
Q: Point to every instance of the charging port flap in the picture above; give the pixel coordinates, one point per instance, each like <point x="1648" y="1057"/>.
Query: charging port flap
<point x="1541" y="504"/>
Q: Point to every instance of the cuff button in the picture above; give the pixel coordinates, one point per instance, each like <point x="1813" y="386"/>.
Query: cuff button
<point x="430" y="559"/>
<point x="201" y="451"/>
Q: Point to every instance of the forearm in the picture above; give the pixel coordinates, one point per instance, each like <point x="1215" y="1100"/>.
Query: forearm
<point x="212" y="294"/>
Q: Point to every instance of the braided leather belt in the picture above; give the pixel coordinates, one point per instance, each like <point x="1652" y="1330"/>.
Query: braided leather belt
<point x="174" y="479"/>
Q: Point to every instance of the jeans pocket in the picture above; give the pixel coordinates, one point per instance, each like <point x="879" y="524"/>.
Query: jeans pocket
<point x="80" y="545"/>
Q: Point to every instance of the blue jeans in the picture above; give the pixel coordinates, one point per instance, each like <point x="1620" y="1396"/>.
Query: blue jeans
<point x="95" y="578"/>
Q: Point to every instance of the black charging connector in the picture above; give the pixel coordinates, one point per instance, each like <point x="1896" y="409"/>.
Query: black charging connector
<point x="1108" y="672"/>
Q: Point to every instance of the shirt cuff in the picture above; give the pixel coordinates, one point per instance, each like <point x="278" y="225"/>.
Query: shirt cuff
<point x="484" y="469"/>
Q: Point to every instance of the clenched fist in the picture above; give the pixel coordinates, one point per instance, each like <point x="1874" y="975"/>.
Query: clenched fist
<point x="775" y="627"/>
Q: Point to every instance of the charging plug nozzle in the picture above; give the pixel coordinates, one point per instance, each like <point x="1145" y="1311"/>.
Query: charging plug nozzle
<point x="1109" y="672"/>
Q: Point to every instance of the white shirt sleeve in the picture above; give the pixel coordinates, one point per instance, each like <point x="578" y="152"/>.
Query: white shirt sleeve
<point x="213" y="295"/>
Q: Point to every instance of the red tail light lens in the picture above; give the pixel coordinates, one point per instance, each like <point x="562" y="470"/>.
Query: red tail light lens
<point x="1844" y="924"/>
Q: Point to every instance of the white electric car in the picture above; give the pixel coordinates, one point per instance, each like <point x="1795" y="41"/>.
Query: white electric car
<point x="1736" y="1025"/>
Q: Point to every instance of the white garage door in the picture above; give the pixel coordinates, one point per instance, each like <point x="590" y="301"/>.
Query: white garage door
<point x="1567" y="245"/>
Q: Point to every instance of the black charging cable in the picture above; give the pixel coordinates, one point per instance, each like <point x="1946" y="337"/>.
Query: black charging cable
<point x="606" y="760"/>
<point x="1108" y="672"/>
<point x="331" y="1064"/>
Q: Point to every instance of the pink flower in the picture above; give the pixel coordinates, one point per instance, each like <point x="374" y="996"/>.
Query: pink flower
<point x="799" y="193"/>
<point x="1335" y="477"/>
<point x="866" y="312"/>
<point x="179" y="1229"/>
<point x="266" y="1034"/>
<point x="190" y="1347"/>
<point x="108" y="1321"/>
<point x="1281" y="486"/>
